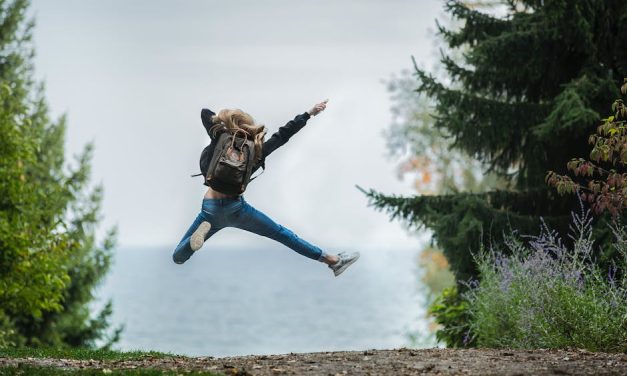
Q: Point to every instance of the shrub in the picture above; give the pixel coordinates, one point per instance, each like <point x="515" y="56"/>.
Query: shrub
<point x="451" y="311"/>
<point x="545" y="294"/>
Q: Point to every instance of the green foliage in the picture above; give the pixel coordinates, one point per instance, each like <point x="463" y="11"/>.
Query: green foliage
<point x="49" y="262"/>
<point x="602" y="181"/>
<point x="526" y="94"/>
<point x="80" y="353"/>
<point x="85" y="354"/>
<point x="450" y="310"/>
<point x="522" y="99"/>
<point x="24" y="370"/>
<point x="547" y="295"/>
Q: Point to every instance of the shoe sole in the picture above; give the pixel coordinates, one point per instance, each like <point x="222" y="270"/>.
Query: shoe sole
<point x="341" y="270"/>
<point x="198" y="237"/>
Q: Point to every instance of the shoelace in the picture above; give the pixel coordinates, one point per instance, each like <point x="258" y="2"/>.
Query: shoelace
<point x="340" y="261"/>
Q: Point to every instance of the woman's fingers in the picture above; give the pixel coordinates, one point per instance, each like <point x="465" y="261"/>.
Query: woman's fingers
<point x="319" y="107"/>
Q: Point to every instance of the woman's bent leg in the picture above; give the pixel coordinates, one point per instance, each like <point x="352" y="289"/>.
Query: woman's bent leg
<point x="184" y="250"/>
<point x="257" y="222"/>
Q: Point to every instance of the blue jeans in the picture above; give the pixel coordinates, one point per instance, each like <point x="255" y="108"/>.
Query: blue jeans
<point x="236" y="212"/>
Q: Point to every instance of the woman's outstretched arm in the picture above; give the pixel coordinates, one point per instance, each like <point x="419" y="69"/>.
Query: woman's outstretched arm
<point x="284" y="133"/>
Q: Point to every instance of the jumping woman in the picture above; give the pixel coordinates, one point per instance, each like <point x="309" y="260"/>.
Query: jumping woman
<point x="234" y="138"/>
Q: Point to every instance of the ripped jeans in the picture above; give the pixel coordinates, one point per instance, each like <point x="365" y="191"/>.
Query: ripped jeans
<point x="236" y="212"/>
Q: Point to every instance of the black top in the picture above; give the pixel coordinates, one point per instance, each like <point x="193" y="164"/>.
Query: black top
<point x="278" y="139"/>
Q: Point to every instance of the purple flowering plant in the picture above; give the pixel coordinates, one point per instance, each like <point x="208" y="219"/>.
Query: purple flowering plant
<point x="542" y="293"/>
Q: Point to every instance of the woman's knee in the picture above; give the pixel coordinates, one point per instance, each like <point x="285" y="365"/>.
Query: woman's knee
<point x="179" y="257"/>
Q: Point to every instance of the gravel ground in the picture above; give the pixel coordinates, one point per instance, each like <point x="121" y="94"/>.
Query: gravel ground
<point x="375" y="362"/>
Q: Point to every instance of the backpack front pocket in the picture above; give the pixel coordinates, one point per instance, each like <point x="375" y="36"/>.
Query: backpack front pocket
<point x="230" y="172"/>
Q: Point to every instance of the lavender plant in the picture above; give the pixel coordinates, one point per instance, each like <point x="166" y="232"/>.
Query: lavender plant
<point x="541" y="293"/>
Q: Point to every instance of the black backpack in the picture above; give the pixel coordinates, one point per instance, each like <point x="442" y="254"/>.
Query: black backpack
<point x="233" y="161"/>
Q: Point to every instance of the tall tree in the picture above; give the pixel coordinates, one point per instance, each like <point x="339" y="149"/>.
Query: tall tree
<point x="531" y="87"/>
<point x="49" y="260"/>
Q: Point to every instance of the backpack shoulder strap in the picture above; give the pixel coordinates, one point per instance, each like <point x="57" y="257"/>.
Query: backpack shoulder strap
<point x="263" y="169"/>
<point x="251" y="158"/>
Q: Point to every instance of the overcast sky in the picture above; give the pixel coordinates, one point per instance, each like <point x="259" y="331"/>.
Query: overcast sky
<point x="132" y="76"/>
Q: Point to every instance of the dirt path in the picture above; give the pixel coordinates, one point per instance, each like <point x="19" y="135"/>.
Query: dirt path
<point x="377" y="362"/>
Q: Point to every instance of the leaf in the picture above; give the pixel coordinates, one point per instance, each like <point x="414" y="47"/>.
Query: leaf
<point x="7" y="89"/>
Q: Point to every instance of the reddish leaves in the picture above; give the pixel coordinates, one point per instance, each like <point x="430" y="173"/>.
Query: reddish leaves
<point x="604" y="188"/>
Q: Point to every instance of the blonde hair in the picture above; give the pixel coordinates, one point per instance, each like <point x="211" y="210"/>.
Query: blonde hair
<point x="236" y="119"/>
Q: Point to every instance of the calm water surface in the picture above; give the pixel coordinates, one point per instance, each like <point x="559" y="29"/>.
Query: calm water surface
<point x="226" y="302"/>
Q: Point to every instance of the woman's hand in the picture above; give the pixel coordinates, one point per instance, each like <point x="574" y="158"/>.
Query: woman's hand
<point x="318" y="108"/>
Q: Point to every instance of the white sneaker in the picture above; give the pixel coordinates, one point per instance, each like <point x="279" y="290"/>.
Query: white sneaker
<point x="198" y="237"/>
<point x="344" y="262"/>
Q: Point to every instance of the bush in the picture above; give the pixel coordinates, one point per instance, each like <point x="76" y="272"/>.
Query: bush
<point x="451" y="311"/>
<point x="549" y="295"/>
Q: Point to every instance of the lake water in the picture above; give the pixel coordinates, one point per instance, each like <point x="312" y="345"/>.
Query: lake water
<point x="225" y="302"/>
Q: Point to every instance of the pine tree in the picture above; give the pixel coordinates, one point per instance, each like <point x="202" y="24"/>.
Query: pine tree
<point x="49" y="260"/>
<point x="530" y="89"/>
